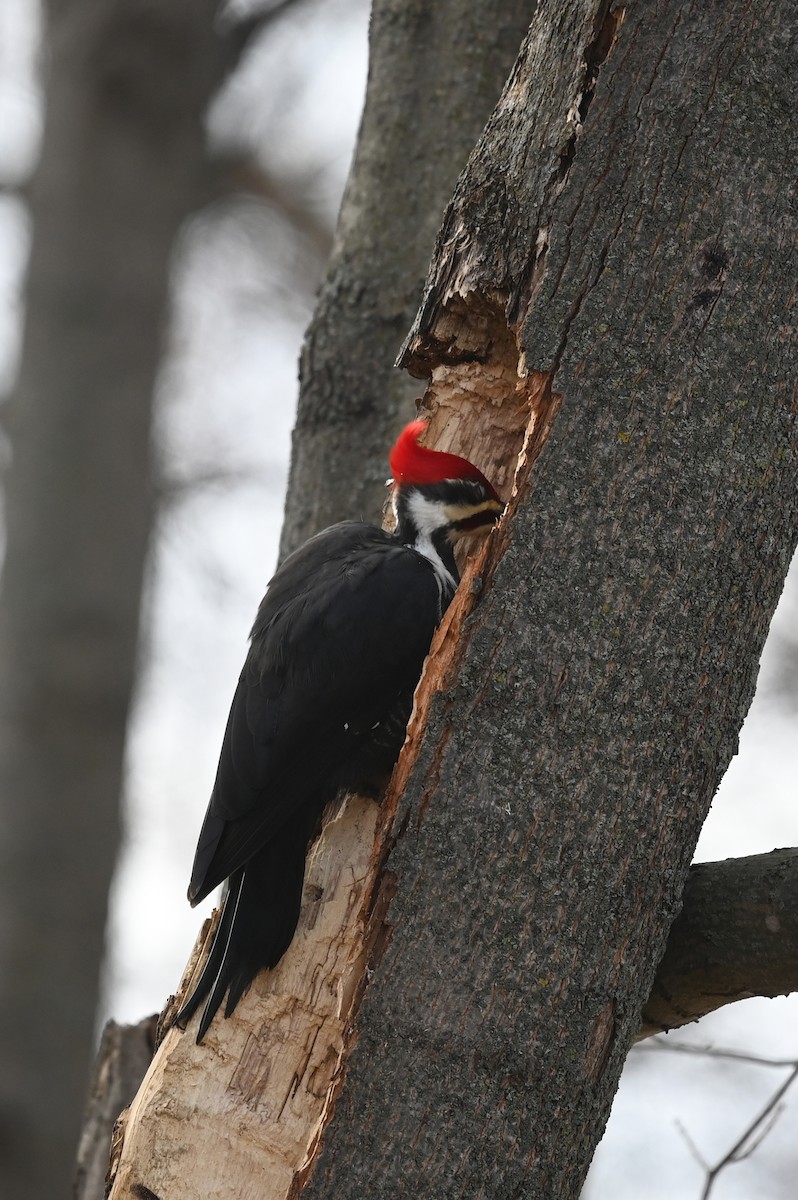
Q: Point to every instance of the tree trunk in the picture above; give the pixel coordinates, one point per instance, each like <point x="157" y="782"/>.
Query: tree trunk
<point x="123" y="1057"/>
<point x="609" y="295"/>
<point x="736" y="937"/>
<point x="625" y="215"/>
<point x="436" y="70"/>
<point x="122" y="164"/>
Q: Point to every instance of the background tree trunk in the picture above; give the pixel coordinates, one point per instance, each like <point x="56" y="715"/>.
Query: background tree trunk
<point x="435" y="73"/>
<point x="122" y="164"/>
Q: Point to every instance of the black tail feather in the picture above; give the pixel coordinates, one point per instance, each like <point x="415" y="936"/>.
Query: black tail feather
<point x="260" y="915"/>
<point x="224" y="938"/>
<point x="213" y="963"/>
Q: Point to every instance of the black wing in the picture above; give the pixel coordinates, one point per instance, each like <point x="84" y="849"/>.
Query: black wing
<point x="339" y="640"/>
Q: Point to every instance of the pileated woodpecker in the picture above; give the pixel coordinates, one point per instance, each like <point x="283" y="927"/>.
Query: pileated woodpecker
<point x="323" y="702"/>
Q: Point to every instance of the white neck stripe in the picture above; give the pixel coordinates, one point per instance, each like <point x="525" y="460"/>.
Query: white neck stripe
<point x="429" y="517"/>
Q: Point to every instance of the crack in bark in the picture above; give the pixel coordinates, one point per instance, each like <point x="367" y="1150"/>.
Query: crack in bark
<point x="606" y="26"/>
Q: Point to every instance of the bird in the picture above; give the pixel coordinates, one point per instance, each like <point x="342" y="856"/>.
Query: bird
<point x="322" y="703"/>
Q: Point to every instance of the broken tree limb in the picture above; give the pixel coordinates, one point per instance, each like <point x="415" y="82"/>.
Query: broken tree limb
<point x="124" y="1056"/>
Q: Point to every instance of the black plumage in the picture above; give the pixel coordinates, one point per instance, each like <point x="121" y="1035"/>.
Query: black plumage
<point x="321" y="705"/>
<point x="323" y="702"/>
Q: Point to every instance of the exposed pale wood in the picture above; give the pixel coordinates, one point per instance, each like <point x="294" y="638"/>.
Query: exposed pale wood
<point x="247" y="1105"/>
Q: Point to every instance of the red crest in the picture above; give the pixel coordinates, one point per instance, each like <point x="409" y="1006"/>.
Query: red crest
<point x="412" y="463"/>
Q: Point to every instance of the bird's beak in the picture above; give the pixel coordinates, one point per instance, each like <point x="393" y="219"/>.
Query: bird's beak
<point x="479" y="519"/>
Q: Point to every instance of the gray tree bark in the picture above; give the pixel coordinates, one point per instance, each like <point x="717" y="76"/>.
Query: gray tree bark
<point x="122" y="164"/>
<point x="735" y="937"/>
<point x="435" y="73"/>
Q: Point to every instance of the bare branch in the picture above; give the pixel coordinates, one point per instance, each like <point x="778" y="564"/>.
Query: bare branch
<point x="288" y="197"/>
<point x="175" y="488"/>
<point x="763" y="1133"/>
<point x="761" y="1124"/>
<point x="241" y="32"/>
<point x="661" y="1045"/>
<point x="692" y="1147"/>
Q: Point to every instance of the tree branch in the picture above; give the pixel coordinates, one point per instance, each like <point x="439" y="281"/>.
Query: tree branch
<point x="736" y="937"/>
<point x="288" y="197"/>
<point x="757" y="1129"/>
<point x="240" y="32"/>
<point x="753" y="1135"/>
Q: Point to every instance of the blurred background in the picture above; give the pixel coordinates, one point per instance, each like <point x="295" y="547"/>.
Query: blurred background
<point x="244" y="270"/>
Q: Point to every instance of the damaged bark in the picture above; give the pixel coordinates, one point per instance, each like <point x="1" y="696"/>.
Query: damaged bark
<point x="435" y="73"/>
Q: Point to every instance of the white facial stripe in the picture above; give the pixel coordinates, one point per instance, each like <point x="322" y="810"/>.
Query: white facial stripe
<point x="425" y="547"/>
<point x="461" y="512"/>
<point x="428" y="516"/>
